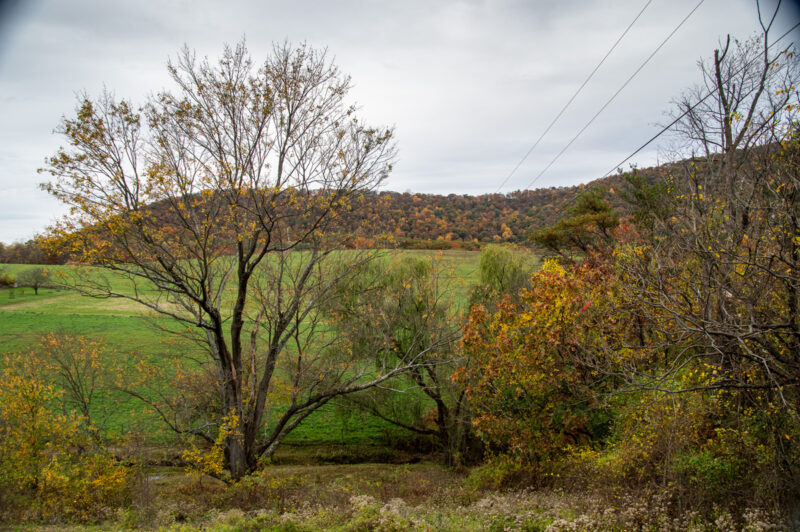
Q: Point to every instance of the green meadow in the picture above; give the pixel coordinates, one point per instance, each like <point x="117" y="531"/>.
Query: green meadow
<point x="131" y="332"/>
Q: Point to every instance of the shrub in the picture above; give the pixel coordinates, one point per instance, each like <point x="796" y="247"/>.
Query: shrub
<point x="6" y="279"/>
<point x="533" y="377"/>
<point x="49" y="468"/>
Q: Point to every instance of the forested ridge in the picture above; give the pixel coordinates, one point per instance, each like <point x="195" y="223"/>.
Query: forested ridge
<point x="509" y="217"/>
<point x="419" y="220"/>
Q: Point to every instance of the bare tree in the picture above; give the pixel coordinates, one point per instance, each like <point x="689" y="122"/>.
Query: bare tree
<point x="719" y="278"/>
<point x="35" y="278"/>
<point x="80" y="367"/>
<point x="219" y="203"/>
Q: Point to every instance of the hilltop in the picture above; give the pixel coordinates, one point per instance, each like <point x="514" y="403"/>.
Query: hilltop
<point x="433" y="221"/>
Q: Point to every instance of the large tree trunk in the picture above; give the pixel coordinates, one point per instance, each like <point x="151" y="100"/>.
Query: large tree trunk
<point x="236" y="456"/>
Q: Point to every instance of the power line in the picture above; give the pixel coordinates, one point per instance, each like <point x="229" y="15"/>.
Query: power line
<point x="666" y="128"/>
<point x="608" y="102"/>
<point x="561" y="112"/>
<point x="689" y="110"/>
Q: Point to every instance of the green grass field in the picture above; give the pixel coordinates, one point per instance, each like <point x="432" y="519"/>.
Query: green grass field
<point x="131" y="331"/>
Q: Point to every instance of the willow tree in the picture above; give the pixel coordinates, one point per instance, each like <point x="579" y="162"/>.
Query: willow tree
<point x="411" y="318"/>
<point x="219" y="202"/>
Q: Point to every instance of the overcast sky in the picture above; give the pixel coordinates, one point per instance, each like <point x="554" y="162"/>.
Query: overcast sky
<point x="469" y="85"/>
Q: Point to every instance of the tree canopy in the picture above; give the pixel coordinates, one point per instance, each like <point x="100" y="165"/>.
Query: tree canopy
<point x="249" y="164"/>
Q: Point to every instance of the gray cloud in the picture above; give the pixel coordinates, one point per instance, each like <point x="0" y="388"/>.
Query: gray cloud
<point x="469" y="85"/>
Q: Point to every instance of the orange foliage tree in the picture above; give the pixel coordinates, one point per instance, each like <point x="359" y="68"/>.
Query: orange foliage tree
<point x="535" y="377"/>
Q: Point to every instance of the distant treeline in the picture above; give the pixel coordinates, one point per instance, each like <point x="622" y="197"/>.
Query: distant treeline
<point x="30" y="252"/>
<point x="426" y="221"/>
<point x="432" y="221"/>
<point x="410" y="219"/>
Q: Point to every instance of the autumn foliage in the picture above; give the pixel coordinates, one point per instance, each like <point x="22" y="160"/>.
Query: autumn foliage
<point x="49" y="465"/>
<point x="533" y="380"/>
<point x="659" y="354"/>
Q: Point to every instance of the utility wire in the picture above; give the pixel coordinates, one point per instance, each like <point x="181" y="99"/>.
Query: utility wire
<point x="686" y="112"/>
<point x="608" y="102"/>
<point x="563" y="206"/>
<point x="575" y="95"/>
